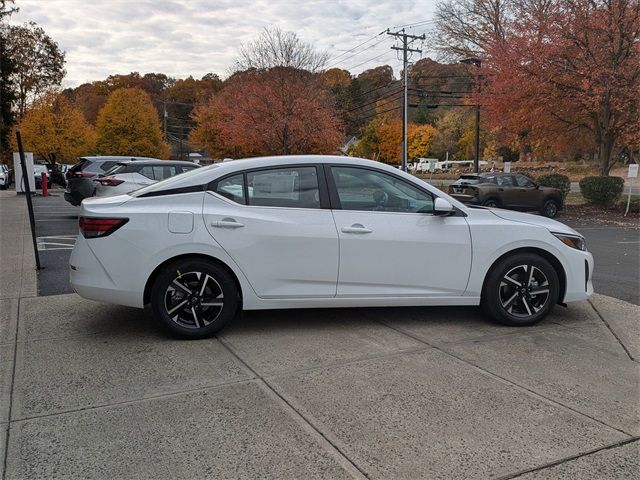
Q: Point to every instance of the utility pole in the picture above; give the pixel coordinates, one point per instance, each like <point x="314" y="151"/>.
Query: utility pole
<point x="406" y="40"/>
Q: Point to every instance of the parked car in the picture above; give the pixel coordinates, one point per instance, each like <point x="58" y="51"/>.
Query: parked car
<point x="126" y="177"/>
<point x="507" y="190"/>
<point x="59" y="174"/>
<point x="38" y="170"/>
<point x="317" y="231"/>
<point x="80" y="183"/>
<point x="5" y="176"/>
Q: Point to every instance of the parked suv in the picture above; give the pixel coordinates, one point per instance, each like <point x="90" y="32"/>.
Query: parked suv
<point x="126" y="177"/>
<point x="80" y="183"/>
<point x="506" y="190"/>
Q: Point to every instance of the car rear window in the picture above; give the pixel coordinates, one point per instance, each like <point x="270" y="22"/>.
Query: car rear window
<point x="468" y="180"/>
<point x="169" y="183"/>
<point x="81" y="165"/>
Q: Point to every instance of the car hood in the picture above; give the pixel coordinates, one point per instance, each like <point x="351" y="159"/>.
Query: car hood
<point x="548" y="223"/>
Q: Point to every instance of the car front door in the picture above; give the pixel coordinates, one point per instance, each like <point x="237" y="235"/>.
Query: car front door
<point x="529" y="195"/>
<point x="277" y="226"/>
<point x="391" y="244"/>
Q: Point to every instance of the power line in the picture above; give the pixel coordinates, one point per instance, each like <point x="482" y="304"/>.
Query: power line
<point x="356" y="53"/>
<point x="379" y="113"/>
<point x="357" y="46"/>
<point x="366" y="61"/>
<point x="374" y="101"/>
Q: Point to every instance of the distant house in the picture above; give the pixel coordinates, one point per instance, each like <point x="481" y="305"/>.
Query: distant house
<point x="345" y="148"/>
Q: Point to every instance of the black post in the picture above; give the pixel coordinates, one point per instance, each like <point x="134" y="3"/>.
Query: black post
<point x="27" y="189"/>
<point x="476" y="163"/>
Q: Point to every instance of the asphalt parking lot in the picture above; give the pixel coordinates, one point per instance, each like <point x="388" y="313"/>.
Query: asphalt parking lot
<point x="616" y="250"/>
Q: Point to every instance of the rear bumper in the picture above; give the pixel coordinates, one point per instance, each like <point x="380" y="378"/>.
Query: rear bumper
<point x="467" y="199"/>
<point x="90" y="279"/>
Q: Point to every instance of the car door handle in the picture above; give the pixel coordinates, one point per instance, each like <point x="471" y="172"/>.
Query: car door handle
<point x="227" y="223"/>
<point x="356" y="228"/>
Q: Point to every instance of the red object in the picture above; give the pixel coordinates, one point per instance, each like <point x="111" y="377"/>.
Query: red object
<point x="109" y="181"/>
<point x="45" y="185"/>
<point x="92" y="227"/>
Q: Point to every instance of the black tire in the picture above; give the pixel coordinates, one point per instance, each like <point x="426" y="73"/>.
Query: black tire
<point x="522" y="300"/>
<point x="491" y="203"/>
<point x="550" y="208"/>
<point x="202" y="315"/>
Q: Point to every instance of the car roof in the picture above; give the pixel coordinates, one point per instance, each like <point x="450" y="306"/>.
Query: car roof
<point x="107" y="158"/>
<point x="159" y="162"/>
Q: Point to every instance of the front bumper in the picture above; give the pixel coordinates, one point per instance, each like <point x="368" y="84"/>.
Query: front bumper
<point x="579" y="272"/>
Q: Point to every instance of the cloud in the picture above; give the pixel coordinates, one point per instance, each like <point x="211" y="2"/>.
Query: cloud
<point x="194" y="37"/>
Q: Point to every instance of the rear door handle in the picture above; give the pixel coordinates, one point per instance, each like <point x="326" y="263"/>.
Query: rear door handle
<point x="356" y="228"/>
<point x="227" y="223"/>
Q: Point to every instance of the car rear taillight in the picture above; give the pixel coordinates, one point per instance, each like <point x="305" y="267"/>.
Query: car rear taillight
<point x="109" y="181"/>
<point x="92" y="227"/>
<point x="82" y="174"/>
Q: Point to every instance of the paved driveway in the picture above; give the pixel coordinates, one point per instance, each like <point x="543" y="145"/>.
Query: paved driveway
<point x="99" y="392"/>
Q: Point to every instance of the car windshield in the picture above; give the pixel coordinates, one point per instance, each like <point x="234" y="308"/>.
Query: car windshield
<point x="169" y="182"/>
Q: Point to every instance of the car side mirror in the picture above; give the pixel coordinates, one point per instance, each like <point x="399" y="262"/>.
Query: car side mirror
<point x="442" y="207"/>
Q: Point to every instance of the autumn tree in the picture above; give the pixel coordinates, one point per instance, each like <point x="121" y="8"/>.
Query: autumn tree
<point x="56" y="130"/>
<point x="554" y="69"/>
<point x="128" y="125"/>
<point x="39" y="62"/>
<point x="278" y="111"/>
<point x="7" y="88"/>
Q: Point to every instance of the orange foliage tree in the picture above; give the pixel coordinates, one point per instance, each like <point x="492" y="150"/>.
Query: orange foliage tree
<point x="568" y="71"/>
<point x="280" y="110"/>
<point x="128" y="125"/>
<point x="56" y="130"/>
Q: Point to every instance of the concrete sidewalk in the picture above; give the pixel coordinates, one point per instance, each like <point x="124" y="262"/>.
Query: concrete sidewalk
<point x="96" y="391"/>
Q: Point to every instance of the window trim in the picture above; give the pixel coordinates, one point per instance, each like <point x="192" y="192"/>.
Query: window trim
<point x="335" y="198"/>
<point x="322" y="185"/>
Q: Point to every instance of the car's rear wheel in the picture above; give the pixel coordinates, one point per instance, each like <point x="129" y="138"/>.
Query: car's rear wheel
<point x="520" y="290"/>
<point x="194" y="298"/>
<point x="491" y="203"/>
<point x="549" y="209"/>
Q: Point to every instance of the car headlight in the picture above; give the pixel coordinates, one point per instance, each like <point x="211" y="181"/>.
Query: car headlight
<point x="573" y="241"/>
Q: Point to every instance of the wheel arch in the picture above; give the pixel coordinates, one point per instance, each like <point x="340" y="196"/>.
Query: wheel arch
<point x="198" y="256"/>
<point x="552" y="259"/>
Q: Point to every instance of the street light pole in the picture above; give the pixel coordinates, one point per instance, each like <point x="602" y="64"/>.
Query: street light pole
<point x="476" y="162"/>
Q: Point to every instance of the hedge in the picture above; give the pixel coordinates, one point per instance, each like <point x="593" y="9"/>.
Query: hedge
<point x="556" y="180"/>
<point x="602" y="190"/>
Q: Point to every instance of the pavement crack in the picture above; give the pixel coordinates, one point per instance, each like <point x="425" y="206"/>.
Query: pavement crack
<point x="297" y="411"/>
<point x="11" y="385"/>
<point x="569" y="459"/>
<point x="503" y="379"/>
<point x="624" y="347"/>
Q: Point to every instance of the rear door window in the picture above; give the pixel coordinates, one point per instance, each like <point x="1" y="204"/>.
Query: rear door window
<point x="232" y="188"/>
<point x="147" y="171"/>
<point x="524" y="181"/>
<point x="294" y="187"/>
<point x="505" y="181"/>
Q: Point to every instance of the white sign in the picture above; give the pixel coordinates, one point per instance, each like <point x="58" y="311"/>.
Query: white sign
<point x="507" y="167"/>
<point x="633" y="170"/>
<point x="432" y="165"/>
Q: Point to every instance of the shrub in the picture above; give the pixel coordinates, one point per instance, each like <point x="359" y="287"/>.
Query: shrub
<point x="556" y="180"/>
<point x="601" y="190"/>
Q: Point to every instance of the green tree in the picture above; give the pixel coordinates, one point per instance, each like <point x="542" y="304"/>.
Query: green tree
<point x="38" y="61"/>
<point x="128" y="125"/>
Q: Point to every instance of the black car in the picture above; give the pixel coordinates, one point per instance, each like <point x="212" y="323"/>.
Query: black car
<point x="80" y="177"/>
<point x="38" y="170"/>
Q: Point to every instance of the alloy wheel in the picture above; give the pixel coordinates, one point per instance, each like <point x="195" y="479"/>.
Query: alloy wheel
<point x="551" y="209"/>
<point x="193" y="299"/>
<point x="524" y="291"/>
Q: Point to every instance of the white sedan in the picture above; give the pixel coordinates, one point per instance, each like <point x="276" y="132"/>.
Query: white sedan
<point x="125" y="177"/>
<point x="318" y="231"/>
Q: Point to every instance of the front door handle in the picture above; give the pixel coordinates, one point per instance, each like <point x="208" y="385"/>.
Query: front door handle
<point x="227" y="223"/>
<point x="356" y="228"/>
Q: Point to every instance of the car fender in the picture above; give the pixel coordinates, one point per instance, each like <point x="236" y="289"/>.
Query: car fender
<point x="485" y="254"/>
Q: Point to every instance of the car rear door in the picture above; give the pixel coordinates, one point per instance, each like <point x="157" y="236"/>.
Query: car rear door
<point x="507" y="191"/>
<point x="277" y="226"/>
<point x="391" y="244"/>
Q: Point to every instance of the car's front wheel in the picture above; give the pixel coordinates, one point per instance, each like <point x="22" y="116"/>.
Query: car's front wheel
<point x="194" y="298"/>
<point x="491" y="203"/>
<point x="520" y="290"/>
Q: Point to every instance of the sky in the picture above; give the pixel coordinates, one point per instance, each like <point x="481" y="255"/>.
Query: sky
<point x="194" y="37"/>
